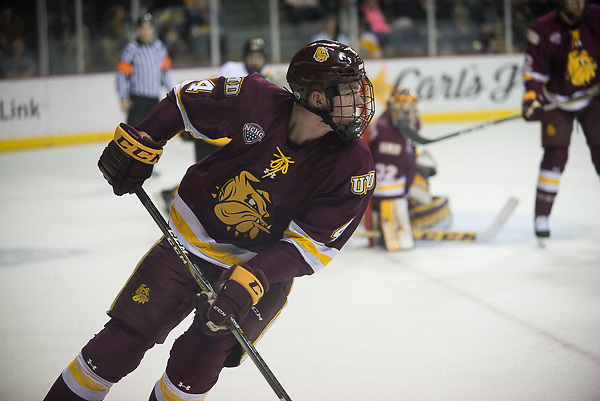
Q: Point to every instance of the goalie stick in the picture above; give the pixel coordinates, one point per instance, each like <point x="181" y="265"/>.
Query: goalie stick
<point x="434" y="234"/>
<point x="415" y="137"/>
<point x="205" y="285"/>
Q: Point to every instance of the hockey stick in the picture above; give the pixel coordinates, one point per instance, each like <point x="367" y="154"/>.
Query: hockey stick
<point x="206" y="286"/>
<point x="415" y="137"/>
<point x="434" y="234"/>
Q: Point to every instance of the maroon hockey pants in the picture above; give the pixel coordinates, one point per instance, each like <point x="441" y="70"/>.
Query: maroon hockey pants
<point x="141" y="318"/>
<point x="557" y="126"/>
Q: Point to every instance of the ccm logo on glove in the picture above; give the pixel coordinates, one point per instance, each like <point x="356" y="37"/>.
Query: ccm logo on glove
<point x="219" y="310"/>
<point x="134" y="148"/>
<point x="129" y="158"/>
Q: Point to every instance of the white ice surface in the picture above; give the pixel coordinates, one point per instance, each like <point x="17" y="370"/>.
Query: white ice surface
<point x="504" y="321"/>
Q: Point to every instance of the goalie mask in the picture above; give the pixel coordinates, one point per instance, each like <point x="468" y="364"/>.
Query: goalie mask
<point x="340" y="71"/>
<point x="403" y="107"/>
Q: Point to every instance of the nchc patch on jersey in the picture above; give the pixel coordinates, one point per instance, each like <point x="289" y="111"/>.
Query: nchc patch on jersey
<point x="252" y="133"/>
<point x="260" y="194"/>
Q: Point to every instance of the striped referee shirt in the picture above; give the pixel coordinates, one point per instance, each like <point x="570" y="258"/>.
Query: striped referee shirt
<point x="142" y="69"/>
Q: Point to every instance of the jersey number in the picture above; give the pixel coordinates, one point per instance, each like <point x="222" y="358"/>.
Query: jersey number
<point x="386" y="172"/>
<point x="201" y="86"/>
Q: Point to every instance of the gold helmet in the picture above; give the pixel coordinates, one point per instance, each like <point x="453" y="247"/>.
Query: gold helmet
<point x="403" y="106"/>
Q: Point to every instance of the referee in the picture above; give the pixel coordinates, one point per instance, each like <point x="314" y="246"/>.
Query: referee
<point x="145" y="65"/>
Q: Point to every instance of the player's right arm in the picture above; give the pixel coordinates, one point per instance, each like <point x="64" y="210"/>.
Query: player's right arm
<point x="536" y="73"/>
<point x="129" y="158"/>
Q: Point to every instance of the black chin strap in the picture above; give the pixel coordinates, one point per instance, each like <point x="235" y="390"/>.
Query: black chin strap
<point x="325" y="116"/>
<point x="340" y="129"/>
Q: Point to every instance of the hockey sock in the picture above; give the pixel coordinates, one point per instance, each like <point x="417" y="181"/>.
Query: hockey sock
<point x="61" y="392"/>
<point x="113" y="353"/>
<point x="165" y="390"/>
<point x="551" y="168"/>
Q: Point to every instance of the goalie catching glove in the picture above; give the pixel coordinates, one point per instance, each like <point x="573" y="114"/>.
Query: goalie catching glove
<point x="129" y="158"/>
<point x="241" y="287"/>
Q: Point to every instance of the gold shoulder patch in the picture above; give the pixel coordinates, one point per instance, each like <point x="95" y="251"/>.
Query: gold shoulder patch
<point x="533" y="37"/>
<point x="142" y="294"/>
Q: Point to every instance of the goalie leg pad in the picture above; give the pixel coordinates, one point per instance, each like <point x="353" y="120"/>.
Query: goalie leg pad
<point x="395" y="224"/>
<point x="433" y="214"/>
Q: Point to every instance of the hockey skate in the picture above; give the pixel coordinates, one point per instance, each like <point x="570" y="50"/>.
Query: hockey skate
<point x="542" y="230"/>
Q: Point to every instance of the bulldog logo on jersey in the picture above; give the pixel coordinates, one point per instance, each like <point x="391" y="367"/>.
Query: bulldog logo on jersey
<point x="321" y="54"/>
<point x="252" y="133"/>
<point x="581" y="68"/>
<point x="360" y="184"/>
<point x="142" y="294"/>
<point x="242" y="207"/>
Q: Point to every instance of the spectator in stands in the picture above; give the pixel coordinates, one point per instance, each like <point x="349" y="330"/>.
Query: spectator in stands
<point x="306" y="14"/>
<point x="330" y="30"/>
<point x="19" y="62"/>
<point x="376" y="22"/>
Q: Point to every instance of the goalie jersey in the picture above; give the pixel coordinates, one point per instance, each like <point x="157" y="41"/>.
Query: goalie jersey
<point x="284" y="209"/>
<point x="394" y="159"/>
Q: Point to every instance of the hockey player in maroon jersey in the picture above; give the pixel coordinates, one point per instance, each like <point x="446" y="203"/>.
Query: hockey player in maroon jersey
<point x="561" y="63"/>
<point x="278" y="202"/>
<point x="401" y="200"/>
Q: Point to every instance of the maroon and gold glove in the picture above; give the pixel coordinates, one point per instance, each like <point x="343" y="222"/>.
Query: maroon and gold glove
<point x="532" y="106"/>
<point x="129" y="158"/>
<point x="241" y="288"/>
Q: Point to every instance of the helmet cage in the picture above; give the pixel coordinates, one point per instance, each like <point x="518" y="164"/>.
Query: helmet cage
<point x="335" y="67"/>
<point x="361" y="108"/>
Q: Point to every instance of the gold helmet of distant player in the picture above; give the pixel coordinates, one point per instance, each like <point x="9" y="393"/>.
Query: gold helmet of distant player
<point x="403" y="106"/>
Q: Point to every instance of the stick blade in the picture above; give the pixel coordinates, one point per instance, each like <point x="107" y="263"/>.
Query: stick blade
<point x="498" y="223"/>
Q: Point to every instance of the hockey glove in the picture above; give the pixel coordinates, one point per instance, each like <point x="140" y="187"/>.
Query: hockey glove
<point x="241" y="288"/>
<point x="532" y="106"/>
<point x="129" y="158"/>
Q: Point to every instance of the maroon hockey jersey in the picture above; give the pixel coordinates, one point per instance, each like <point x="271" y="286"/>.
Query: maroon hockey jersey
<point x="561" y="61"/>
<point x="394" y="158"/>
<point x="260" y="199"/>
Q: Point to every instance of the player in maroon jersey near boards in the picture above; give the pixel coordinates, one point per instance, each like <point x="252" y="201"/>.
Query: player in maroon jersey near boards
<point x="278" y="202"/>
<point x="561" y="63"/>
